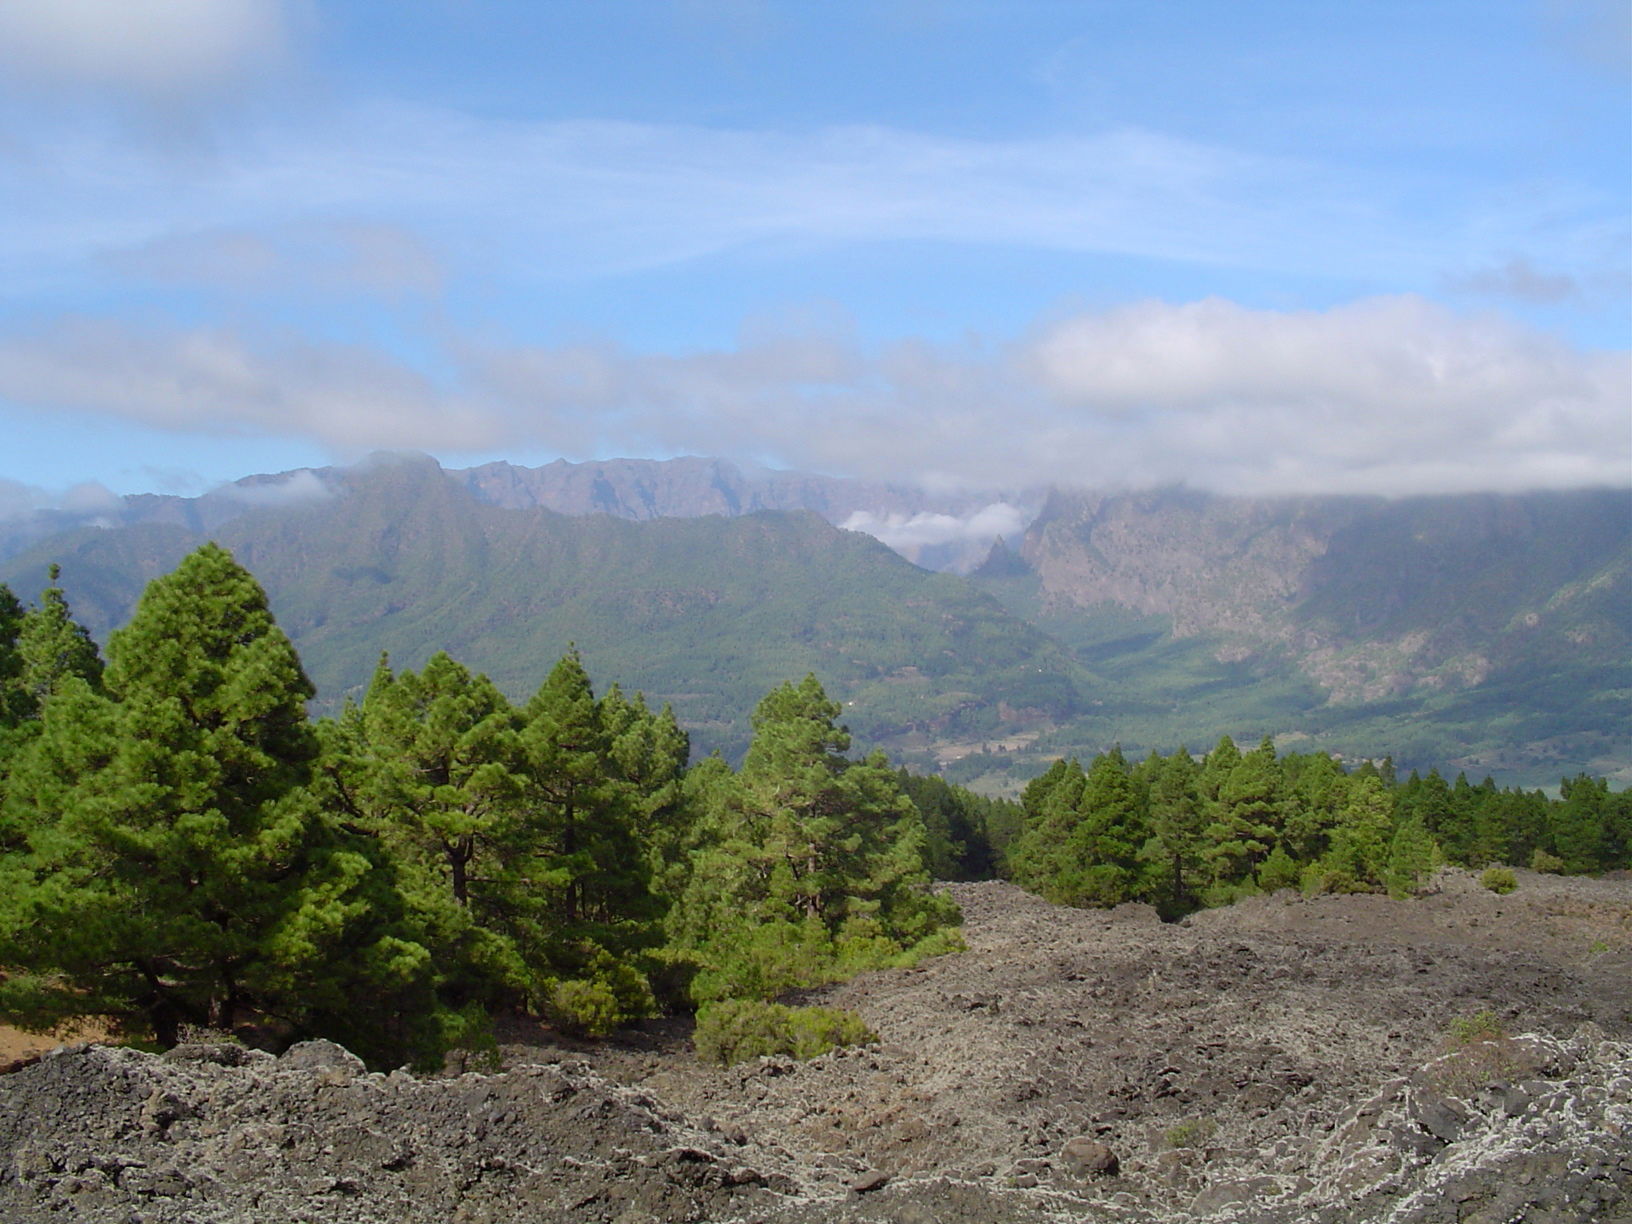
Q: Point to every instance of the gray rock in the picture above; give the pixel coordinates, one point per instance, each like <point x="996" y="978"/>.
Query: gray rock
<point x="1089" y="1157"/>
<point x="321" y="1055"/>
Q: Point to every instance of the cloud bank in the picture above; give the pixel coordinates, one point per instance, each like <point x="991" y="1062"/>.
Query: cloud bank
<point x="1384" y="395"/>
<point x="220" y="381"/>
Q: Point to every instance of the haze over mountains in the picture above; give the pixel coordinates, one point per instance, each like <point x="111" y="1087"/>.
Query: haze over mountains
<point x="1491" y="633"/>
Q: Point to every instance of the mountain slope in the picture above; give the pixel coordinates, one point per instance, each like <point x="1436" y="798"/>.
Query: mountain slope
<point x="707" y="613"/>
<point x="1485" y="632"/>
<point x="943" y="531"/>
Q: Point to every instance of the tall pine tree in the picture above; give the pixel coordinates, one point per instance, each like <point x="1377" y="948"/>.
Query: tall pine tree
<point x="177" y="870"/>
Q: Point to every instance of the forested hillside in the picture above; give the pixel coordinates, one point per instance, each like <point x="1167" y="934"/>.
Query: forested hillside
<point x="1481" y="633"/>
<point x="706" y="614"/>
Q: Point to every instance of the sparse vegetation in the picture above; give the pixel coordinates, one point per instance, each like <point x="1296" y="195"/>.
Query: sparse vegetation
<point x="1499" y="880"/>
<point x="1193" y="1132"/>
<point x="1478" y="1051"/>
<point x="1482" y="1026"/>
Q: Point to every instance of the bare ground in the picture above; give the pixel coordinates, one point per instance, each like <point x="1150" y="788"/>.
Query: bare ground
<point x="1281" y="1060"/>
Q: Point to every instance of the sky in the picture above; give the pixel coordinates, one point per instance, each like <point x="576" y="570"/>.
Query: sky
<point x="1281" y="247"/>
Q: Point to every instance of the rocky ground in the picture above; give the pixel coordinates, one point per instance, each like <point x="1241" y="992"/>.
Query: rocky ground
<point x="1282" y="1060"/>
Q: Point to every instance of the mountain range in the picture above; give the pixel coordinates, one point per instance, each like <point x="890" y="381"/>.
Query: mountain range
<point x="1491" y="633"/>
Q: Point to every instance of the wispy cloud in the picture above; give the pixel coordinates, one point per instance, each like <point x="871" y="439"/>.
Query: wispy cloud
<point x="19" y="500"/>
<point x="321" y="256"/>
<point x="291" y="489"/>
<point x="1518" y="279"/>
<point x="570" y="198"/>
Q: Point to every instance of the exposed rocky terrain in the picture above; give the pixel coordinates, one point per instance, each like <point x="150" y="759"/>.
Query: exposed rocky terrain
<point x="1283" y="1060"/>
<point x="1372" y="599"/>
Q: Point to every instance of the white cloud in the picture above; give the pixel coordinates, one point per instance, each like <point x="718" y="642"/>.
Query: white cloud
<point x="1391" y="395"/>
<point x="1386" y="395"/>
<point x="290" y="489"/>
<point x="905" y="532"/>
<point x="159" y="48"/>
<point x="1383" y="395"/>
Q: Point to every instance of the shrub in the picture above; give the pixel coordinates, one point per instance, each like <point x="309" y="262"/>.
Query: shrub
<point x="583" y="1007"/>
<point x="607" y="993"/>
<point x="1470" y="1030"/>
<point x="1550" y="863"/>
<point x="739" y="1029"/>
<point x="1499" y="880"/>
<point x="1326" y="877"/>
<point x="1192" y="1132"/>
<point x="1277" y="871"/>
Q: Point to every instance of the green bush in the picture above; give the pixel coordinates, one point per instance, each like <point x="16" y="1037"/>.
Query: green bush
<point x="1277" y="871"/>
<point x="586" y="1008"/>
<point x="1550" y="863"/>
<point x="739" y="1029"/>
<point x="1193" y="1132"/>
<point x="1499" y="880"/>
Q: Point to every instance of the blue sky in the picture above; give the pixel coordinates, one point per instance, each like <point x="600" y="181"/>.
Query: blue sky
<point x="1268" y="247"/>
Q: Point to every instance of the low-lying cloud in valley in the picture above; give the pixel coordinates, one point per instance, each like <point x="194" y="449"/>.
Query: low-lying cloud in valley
<point x="907" y="532"/>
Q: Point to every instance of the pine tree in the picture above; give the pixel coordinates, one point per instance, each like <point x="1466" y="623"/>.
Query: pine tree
<point x="427" y="768"/>
<point x="1411" y="857"/>
<point x="177" y="868"/>
<point x="1177" y="821"/>
<point x="1101" y="863"/>
<point x="582" y="813"/>
<point x="1358" y="856"/>
<point x="15" y="711"/>
<point x="805" y="860"/>
<point x="441" y="774"/>
<point x="52" y="645"/>
<point x="1578" y="830"/>
<point x="589" y="862"/>
<point x="1247" y="814"/>
<point x="1041" y="855"/>
<point x="13" y="708"/>
<point x="650" y="753"/>
<point x="1318" y="788"/>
